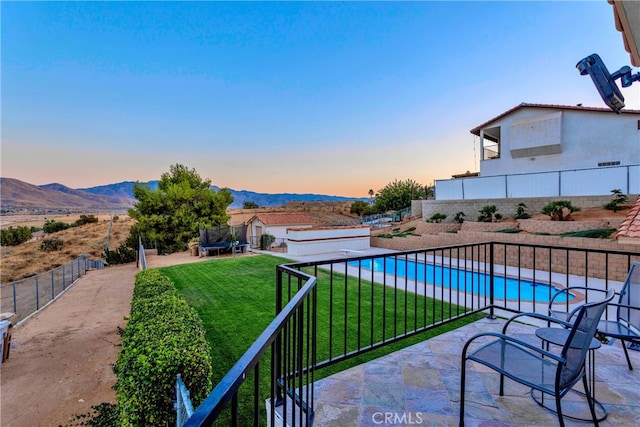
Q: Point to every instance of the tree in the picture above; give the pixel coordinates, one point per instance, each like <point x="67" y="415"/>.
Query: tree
<point x="249" y="205"/>
<point x="398" y="195"/>
<point x="171" y="215"/>
<point x="360" y="207"/>
<point x="371" y="194"/>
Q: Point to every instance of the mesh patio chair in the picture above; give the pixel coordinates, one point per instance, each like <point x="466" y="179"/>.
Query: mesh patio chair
<point x="551" y="373"/>
<point x="626" y="326"/>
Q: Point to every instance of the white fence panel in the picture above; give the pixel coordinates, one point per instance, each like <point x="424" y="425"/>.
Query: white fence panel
<point x="449" y="189"/>
<point x="533" y="185"/>
<point x="490" y="187"/>
<point x="593" y="182"/>
<point x="634" y="180"/>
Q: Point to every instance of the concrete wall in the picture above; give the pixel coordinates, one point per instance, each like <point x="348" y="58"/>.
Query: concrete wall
<point x="321" y="240"/>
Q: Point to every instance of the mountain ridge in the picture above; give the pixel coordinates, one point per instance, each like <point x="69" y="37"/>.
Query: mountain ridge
<point x="20" y="196"/>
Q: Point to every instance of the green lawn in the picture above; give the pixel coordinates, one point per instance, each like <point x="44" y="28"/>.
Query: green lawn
<point x="235" y="297"/>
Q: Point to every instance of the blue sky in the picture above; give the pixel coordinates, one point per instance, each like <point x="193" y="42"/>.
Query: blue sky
<point x="301" y="97"/>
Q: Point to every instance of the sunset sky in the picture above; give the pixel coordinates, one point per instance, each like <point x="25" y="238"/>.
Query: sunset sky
<point x="299" y="97"/>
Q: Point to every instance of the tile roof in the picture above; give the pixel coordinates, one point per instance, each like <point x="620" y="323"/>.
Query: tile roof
<point x="283" y="218"/>
<point x="630" y="227"/>
<point x="476" y="130"/>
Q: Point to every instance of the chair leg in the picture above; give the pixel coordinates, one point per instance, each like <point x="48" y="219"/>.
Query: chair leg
<point x="559" y="409"/>
<point x="462" y="383"/>
<point x="592" y="408"/>
<point x="626" y="353"/>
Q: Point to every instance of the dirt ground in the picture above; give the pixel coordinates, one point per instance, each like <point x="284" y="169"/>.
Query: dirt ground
<point x="60" y="360"/>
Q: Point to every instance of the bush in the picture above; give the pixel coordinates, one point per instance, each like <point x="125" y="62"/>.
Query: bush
<point x="459" y="217"/>
<point x="509" y="231"/>
<point x="559" y="210"/>
<point x="618" y="199"/>
<point x="85" y="219"/>
<point x="437" y="217"/>
<point x="50" y="245"/>
<point x="52" y="226"/>
<point x="122" y="255"/>
<point x="14" y="236"/>
<point x="596" y="233"/>
<point x="266" y="240"/>
<point x="521" y="213"/>
<point x="487" y="213"/>
<point x="164" y="337"/>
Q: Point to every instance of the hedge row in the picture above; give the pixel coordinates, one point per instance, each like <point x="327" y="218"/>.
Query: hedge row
<point x="164" y="337"/>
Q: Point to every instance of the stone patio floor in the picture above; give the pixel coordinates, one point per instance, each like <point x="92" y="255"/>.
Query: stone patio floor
<point x="420" y="385"/>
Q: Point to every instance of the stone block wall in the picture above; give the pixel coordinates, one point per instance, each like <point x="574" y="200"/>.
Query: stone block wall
<point x="524" y="255"/>
<point x="506" y="207"/>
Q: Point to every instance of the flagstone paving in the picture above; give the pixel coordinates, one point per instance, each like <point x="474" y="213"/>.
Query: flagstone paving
<point x="420" y="385"/>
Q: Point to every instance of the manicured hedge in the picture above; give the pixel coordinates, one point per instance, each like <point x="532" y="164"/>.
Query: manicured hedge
<point x="164" y="337"/>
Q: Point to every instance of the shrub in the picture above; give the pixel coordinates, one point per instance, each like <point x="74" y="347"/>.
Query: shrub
<point x="618" y="199"/>
<point x="52" y="226"/>
<point x="164" y="337"/>
<point x="437" y="217"/>
<point x="266" y="240"/>
<point x="559" y="210"/>
<point x="122" y="255"/>
<point x="85" y="219"/>
<point x="509" y="231"/>
<point x="596" y="233"/>
<point x="521" y="213"/>
<point x="487" y="213"/>
<point x="14" y="236"/>
<point x="50" y="245"/>
<point x="459" y="217"/>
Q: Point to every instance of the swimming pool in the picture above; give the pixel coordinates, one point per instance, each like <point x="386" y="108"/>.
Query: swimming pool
<point x="466" y="281"/>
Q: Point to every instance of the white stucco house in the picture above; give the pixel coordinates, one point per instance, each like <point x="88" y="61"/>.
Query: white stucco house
<point x="539" y="150"/>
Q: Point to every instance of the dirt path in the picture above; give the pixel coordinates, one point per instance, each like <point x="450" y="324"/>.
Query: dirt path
<point x="60" y="361"/>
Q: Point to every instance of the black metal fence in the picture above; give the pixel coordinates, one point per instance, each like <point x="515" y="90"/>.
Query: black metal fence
<point x="330" y="311"/>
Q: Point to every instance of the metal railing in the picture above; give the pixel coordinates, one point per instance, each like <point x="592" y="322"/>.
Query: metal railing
<point x="183" y="406"/>
<point x="365" y="303"/>
<point x="142" y="256"/>
<point x="27" y="296"/>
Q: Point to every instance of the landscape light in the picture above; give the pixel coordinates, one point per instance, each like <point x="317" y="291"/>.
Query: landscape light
<point x="605" y="82"/>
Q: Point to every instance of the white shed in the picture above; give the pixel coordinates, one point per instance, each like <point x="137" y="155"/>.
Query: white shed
<point x="276" y="224"/>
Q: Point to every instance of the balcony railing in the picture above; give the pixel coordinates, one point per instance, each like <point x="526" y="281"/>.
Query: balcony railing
<point x="330" y="311"/>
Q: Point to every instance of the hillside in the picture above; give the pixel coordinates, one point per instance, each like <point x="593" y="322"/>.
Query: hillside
<point x="28" y="259"/>
<point x="20" y="197"/>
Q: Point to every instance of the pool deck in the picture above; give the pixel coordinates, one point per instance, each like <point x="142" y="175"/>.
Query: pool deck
<point x="421" y="385"/>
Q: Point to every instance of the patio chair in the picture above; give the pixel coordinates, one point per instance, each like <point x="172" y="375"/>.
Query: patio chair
<point x="550" y="373"/>
<point x="626" y="326"/>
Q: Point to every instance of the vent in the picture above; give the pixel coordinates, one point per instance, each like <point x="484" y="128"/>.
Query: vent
<point x="601" y="164"/>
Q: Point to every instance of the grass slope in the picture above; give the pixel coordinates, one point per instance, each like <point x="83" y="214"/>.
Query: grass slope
<point x="235" y="297"/>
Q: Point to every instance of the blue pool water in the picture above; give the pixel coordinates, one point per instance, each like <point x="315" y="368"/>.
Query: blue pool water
<point x="466" y="281"/>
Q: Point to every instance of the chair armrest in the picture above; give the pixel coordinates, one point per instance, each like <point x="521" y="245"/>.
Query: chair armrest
<point x="565" y="290"/>
<point x="531" y="347"/>
<point x="549" y="319"/>
<point x="615" y="304"/>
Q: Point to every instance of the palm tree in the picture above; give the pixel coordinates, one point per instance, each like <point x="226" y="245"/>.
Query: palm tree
<point x="371" y="193"/>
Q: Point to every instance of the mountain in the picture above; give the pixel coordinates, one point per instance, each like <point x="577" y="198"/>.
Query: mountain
<point x="125" y="190"/>
<point x="16" y="196"/>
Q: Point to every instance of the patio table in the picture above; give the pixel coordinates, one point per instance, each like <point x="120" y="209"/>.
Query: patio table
<point x="558" y="336"/>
